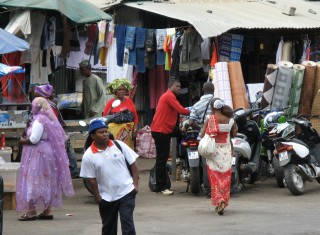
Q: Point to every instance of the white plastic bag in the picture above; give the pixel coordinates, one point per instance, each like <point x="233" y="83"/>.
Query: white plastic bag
<point x="207" y="146"/>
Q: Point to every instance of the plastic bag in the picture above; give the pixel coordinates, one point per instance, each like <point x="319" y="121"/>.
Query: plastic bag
<point x="207" y="146"/>
<point x="145" y="144"/>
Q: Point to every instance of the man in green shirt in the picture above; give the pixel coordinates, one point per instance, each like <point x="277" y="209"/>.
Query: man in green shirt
<point x="94" y="93"/>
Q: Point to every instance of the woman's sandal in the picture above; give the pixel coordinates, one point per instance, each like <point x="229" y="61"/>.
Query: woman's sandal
<point x="26" y="217"/>
<point x="220" y="208"/>
<point x="45" y="217"/>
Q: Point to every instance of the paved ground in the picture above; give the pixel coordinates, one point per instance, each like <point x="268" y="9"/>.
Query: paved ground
<point x="260" y="209"/>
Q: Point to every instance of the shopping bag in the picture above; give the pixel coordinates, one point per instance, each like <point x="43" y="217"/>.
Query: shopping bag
<point x="145" y="145"/>
<point x="207" y="146"/>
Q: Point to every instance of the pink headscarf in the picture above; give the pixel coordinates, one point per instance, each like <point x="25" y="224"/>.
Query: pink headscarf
<point x="44" y="91"/>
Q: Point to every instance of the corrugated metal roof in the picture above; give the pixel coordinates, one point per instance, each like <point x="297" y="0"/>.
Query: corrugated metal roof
<point x="214" y="18"/>
<point x="105" y="4"/>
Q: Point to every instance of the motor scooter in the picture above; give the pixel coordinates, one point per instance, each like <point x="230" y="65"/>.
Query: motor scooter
<point x="297" y="152"/>
<point x="246" y="147"/>
<point x="188" y="161"/>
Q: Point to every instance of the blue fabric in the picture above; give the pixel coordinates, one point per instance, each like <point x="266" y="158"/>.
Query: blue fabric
<point x="130" y="37"/>
<point x="140" y="37"/>
<point x="132" y="57"/>
<point x="121" y="37"/>
<point x="140" y="60"/>
<point x="161" y="57"/>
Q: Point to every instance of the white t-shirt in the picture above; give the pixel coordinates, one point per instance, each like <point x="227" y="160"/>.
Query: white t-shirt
<point x="110" y="170"/>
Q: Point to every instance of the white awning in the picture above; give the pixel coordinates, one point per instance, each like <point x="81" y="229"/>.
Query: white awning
<point x="214" y="18"/>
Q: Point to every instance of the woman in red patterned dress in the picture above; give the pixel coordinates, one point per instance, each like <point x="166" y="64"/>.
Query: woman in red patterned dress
<point x="219" y="125"/>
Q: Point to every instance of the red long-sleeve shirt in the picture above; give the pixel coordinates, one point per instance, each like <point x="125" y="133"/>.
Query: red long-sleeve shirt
<point x="167" y="111"/>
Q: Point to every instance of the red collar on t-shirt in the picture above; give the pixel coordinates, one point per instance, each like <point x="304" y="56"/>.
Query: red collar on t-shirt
<point x="95" y="149"/>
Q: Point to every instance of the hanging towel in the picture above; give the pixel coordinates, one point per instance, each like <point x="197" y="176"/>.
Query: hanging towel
<point x="236" y="47"/>
<point x="287" y="52"/>
<point x="161" y="35"/>
<point x="279" y="51"/>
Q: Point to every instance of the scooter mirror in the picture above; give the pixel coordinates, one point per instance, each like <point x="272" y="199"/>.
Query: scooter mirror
<point x="82" y="123"/>
<point x="115" y="103"/>
<point x="259" y="94"/>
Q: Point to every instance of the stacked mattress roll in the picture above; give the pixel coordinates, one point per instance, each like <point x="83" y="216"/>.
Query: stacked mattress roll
<point x="269" y="83"/>
<point x="306" y="99"/>
<point x="283" y="85"/>
<point x="238" y="88"/>
<point x="294" y="99"/>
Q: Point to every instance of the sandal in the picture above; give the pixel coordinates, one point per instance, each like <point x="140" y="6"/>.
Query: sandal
<point x="45" y="217"/>
<point x="220" y="208"/>
<point x="26" y="217"/>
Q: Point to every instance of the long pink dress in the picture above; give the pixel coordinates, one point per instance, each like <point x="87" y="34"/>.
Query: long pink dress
<point x="44" y="170"/>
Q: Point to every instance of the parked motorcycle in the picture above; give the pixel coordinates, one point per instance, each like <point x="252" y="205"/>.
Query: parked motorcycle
<point x="188" y="162"/>
<point x="269" y="129"/>
<point x="297" y="152"/>
<point x="246" y="146"/>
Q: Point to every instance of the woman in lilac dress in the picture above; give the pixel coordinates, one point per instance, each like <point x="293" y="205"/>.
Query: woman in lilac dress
<point x="44" y="171"/>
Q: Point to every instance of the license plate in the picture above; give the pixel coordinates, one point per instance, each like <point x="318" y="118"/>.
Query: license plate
<point x="283" y="156"/>
<point x="193" y="155"/>
<point x="233" y="160"/>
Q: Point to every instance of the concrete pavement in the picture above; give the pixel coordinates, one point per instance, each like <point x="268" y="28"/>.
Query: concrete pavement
<point x="262" y="209"/>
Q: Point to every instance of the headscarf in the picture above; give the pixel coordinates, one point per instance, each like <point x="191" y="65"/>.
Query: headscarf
<point x="43" y="112"/>
<point x="114" y="86"/>
<point x="44" y="90"/>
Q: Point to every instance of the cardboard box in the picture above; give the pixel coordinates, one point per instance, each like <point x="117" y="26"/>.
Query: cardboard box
<point x="6" y="154"/>
<point x="9" y="201"/>
<point x="9" y="172"/>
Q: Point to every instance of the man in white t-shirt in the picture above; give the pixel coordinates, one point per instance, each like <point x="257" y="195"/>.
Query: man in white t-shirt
<point x="114" y="186"/>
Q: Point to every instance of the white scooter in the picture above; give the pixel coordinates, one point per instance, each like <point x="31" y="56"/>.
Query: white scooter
<point x="299" y="156"/>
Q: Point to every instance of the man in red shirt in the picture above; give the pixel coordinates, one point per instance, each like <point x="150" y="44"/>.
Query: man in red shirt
<point x="162" y="126"/>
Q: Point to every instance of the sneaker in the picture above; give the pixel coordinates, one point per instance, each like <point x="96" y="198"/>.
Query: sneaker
<point x="166" y="192"/>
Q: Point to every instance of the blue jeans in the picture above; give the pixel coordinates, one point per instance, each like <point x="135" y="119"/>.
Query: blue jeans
<point x="109" y="215"/>
<point x="121" y="37"/>
<point x="161" y="57"/>
<point x="140" y="53"/>
<point x="140" y="37"/>
<point x="130" y="37"/>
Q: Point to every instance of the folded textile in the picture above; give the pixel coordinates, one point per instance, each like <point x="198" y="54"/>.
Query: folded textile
<point x="160" y="37"/>
<point x="130" y="37"/>
<point x="150" y="40"/>
<point x="140" y="37"/>
<point x="121" y="37"/>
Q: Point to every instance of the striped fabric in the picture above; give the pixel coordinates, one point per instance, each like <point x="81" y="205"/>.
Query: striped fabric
<point x="197" y="110"/>
<point x="298" y="72"/>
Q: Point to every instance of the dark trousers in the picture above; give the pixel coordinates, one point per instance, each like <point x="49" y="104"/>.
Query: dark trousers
<point x="109" y="215"/>
<point x="73" y="166"/>
<point x="162" y="142"/>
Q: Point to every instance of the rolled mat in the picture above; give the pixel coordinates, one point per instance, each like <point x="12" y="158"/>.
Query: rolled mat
<point x="238" y="88"/>
<point x="315" y="121"/>
<point x="317" y="80"/>
<point x="222" y="83"/>
<point x="283" y="85"/>
<point x="306" y="97"/>
<point x="294" y="99"/>
<point x="287" y="51"/>
<point x="268" y="87"/>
